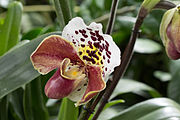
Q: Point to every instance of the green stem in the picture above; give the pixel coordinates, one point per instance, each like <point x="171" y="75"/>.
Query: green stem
<point x="84" y="112"/>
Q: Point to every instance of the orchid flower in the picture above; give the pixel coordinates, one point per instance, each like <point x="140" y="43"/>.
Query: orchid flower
<point x="170" y="32"/>
<point x="83" y="57"/>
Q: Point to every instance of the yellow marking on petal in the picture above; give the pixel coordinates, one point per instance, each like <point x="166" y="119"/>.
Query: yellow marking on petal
<point x="90" y="55"/>
<point x="74" y="73"/>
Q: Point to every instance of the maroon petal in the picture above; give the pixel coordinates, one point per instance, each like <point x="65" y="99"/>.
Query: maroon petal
<point x="51" y="52"/>
<point x="171" y="50"/>
<point x="173" y="30"/>
<point x="95" y="84"/>
<point x="60" y="85"/>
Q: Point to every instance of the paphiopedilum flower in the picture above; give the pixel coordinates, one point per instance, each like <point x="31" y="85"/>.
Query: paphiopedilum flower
<point x="83" y="56"/>
<point x="170" y="32"/>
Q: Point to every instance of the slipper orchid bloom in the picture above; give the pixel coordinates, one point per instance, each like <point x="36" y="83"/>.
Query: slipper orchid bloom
<point x="170" y="32"/>
<point x="83" y="57"/>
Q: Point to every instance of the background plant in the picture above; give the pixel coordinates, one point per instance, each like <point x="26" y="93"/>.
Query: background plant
<point x="149" y="76"/>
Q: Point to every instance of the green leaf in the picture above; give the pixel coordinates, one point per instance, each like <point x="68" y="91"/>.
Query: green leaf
<point x="72" y="6"/>
<point x="111" y="103"/>
<point x="148" y="5"/>
<point x="106" y="108"/>
<point x="63" y="12"/>
<point x="9" y="34"/>
<point x="66" y="10"/>
<point x="59" y="13"/>
<point x="177" y="2"/>
<point x="147" y="46"/>
<point x="154" y="109"/>
<point x="21" y="43"/>
<point x="174" y="85"/>
<point x="15" y="25"/>
<point x="163" y="76"/>
<point x="32" y="34"/>
<point x="47" y="29"/>
<point x="4" y="108"/>
<point x="16" y="68"/>
<point x="1" y="22"/>
<point x="68" y="111"/>
<point x="127" y="85"/>
<point x="100" y="3"/>
<point x="107" y="4"/>
<point x="107" y="114"/>
<point x="174" y="66"/>
<point x="34" y="107"/>
<point x="16" y="104"/>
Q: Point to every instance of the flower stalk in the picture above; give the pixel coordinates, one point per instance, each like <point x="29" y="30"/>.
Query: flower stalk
<point x="127" y="55"/>
<point x="125" y="62"/>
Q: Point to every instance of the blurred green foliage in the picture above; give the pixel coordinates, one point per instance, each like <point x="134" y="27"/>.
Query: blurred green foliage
<point x="150" y="75"/>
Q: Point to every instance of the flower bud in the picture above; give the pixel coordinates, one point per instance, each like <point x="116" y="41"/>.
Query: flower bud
<point x="148" y="5"/>
<point x="170" y="32"/>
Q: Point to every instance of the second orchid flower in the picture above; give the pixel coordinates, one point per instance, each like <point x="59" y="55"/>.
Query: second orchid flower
<point x="170" y="32"/>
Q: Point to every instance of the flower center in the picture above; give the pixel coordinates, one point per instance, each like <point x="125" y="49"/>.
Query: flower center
<point x="75" y="72"/>
<point x="90" y="54"/>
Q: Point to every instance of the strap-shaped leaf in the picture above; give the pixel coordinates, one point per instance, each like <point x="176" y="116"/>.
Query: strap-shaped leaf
<point x="16" y="68"/>
<point x="154" y="109"/>
<point x="68" y="111"/>
<point x="174" y="84"/>
<point x="59" y="13"/>
<point x="63" y="12"/>
<point x="34" y="107"/>
<point x="66" y="10"/>
<point x="4" y="109"/>
<point x="127" y="86"/>
<point x="16" y="104"/>
<point x="9" y="34"/>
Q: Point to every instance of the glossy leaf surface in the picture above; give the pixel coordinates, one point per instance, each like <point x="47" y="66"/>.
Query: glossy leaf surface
<point x="68" y="111"/>
<point x="16" y="68"/>
<point x="154" y="109"/>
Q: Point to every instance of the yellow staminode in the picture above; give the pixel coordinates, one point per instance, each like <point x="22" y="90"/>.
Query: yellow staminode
<point x="74" y="73"/>
<point x="90" y="55"/>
